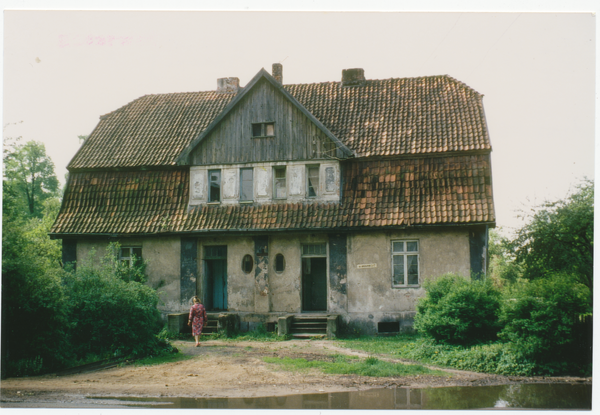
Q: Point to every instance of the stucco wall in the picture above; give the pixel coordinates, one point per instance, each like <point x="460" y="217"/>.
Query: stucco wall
<point x="371" y="297"/>
<point x="162" y="258"/>
<point x="240" y="286"/>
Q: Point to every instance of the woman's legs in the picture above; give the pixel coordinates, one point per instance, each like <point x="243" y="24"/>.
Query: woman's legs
<point x="197" y="340"/>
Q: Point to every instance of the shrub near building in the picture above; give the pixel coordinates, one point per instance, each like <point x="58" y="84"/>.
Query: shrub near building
<point x="458" y="311"/>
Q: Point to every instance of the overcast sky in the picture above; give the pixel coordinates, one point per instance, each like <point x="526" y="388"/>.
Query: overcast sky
<point x="63" y="69"/>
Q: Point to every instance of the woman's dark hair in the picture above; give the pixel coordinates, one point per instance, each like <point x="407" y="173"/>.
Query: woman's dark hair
<point x="195" y="299"/>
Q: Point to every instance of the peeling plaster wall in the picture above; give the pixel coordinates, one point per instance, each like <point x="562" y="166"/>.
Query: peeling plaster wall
<point x="286" y="285"/>
<point x="162" y="258"/>
<point x="240" y="286"/>
<point x="371" y="297"/>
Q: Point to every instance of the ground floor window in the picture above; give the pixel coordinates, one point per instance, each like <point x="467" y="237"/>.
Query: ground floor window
<point x="131" y="255"/>
<point x="405" y="263"/>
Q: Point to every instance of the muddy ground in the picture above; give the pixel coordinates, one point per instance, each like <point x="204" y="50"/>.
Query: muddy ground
<point x="226" y="369"/>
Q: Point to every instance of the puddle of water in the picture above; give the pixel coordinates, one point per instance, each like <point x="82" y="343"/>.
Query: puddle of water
<point x="523" y="396"/>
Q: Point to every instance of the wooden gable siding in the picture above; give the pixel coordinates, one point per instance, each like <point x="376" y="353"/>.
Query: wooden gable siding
<point x="296" y="136"/>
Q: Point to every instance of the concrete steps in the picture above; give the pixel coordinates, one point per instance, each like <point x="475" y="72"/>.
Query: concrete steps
<point x="309" y="327"/>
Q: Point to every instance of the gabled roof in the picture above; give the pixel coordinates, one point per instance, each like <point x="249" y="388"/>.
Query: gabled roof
<point x="391" y="117"/>
<point x="423" y="191"/>
<point x="262" y="74"/>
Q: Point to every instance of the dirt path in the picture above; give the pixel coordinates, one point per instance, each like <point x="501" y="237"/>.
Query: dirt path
<point x="224" y="369"/>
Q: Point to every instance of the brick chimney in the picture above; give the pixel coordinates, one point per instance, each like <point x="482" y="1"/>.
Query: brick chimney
<point x="351" y="77"/>
<point x="228" y="84"/>
<point x="278" y="72"/>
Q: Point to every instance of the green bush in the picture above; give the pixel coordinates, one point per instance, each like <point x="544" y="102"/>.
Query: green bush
<point x="110" y="313"/>
<point x="458" y="311"/>
<point x="541" y="319"/>
<point x="34" y="314"/>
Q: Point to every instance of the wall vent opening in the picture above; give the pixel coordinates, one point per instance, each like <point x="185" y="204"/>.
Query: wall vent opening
<point x="388" y="327"/>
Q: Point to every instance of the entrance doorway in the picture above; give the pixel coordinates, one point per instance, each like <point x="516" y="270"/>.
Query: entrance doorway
<point x="314" y="277"/>
<point x="215" y="265"/>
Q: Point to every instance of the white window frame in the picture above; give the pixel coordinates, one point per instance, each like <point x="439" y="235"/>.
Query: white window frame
<point x="220" y="186"/>
<point x="127" y="258"/>
<point x="275" y="169"/>
<point x="315" y="189"/>
<point x="405" y="254"/>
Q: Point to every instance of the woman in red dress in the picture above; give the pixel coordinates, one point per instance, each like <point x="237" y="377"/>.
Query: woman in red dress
<point x="197" y="318"/>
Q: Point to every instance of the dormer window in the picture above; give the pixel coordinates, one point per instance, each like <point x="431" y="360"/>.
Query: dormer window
<point x="312" y="181"/>
<point x="214" y="179"/>
<point x="279" y="183"/>
<point x="263" y="129"/>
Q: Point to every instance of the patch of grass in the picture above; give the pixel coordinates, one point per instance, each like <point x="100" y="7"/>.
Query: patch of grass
<point x="346" y="365"/>
<point x="498" y="358"/>
<point x="159" y="360"/>
<point x="393" y="346"/>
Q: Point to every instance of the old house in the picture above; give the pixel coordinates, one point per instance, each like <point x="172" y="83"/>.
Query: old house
<point x="273" y="201"/>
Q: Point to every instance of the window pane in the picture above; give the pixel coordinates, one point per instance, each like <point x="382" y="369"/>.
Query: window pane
<point x="413" y="269"/>
<point x="256" y="130"/>
<point x="313" y="181"/>
<point x="247" y="264"/>
<point x="125" y="252"/>
<point x="412" y="246"/>
<point x="398" y="270"/>
<point x="314" y="249"/>
<point x="279" y="263"/>
<point x="246" y="184"/>
<point x="215" y="185"/>
<point x="397" y="246"/>
<point x="270" y="129"/>
<point x="280" y="190"/>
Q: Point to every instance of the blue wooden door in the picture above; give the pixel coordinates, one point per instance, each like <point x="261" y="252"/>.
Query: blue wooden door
<point x="215" y="258"/>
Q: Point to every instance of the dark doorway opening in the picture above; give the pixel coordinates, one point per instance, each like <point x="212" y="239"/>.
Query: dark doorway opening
<point x="215" y="263"/>
<point x="314" y="284"/>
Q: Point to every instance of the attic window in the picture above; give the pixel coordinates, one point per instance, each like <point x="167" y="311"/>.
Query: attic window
<point x="263" y="129"/>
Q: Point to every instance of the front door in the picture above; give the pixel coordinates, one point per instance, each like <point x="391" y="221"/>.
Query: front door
<point x="215" y="260"/>
<point x="314" y="277"/>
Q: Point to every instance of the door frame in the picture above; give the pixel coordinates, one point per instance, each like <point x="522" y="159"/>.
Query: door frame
<point x="208" y="291"/>
<point x="324" y="254"/>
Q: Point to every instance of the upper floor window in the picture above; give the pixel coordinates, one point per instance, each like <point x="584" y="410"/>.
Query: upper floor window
<point x="214" y="180"/>
<point x="405" y="263"/>
<point x="263" y="129"/>
<point x="246" y="184"/>
<point x="312" y="181"/>
<point x="279" y="183"/>
<point x="131" y="255"/>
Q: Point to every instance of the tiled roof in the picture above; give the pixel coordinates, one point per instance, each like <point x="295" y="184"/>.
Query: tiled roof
<point x="399" y="116"/>
<point x="404" y="192"/>
<point x="380" y="118"/>
<point x="150" y="131"/>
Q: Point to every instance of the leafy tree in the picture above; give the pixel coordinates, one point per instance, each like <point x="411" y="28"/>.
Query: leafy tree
<point x="542" y="319"/>
<point x="29" y="175"/>
<point x="34" y="314"/>
<point x="560" y="238"/>
<point x="503" y="268"/>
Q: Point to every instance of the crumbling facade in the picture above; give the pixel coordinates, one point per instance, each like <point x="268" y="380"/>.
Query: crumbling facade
<point x="336" y="198"/>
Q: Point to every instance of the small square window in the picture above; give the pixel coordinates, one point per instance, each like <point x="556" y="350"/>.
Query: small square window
<point x="263" y="129"/>
<point x="131" y="255"/>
